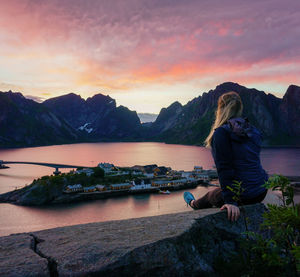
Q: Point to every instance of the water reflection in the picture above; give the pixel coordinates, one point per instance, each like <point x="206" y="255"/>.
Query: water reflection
<point x="285" y="161"/>
<point x="15" y="219"/>
<point x="26" y="219"/>
<point x="18" y="177"/>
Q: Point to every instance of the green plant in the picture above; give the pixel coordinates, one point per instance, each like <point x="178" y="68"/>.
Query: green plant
<point x="275" y="250"/>
<point x="237" y="190"/>
<point x="281" y="184"/>
<point x="284" y="222"/>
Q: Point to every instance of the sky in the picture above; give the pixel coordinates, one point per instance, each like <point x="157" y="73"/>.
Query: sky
<point x="147" y="54"/>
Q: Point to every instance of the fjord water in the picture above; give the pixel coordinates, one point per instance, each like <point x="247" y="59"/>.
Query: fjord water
<point x="16" y="219"/>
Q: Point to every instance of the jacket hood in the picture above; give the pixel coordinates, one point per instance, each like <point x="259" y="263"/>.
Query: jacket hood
<point x="240" y="128"/>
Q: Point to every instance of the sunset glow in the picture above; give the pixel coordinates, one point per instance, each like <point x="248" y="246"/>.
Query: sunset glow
<point x="147" y="54"/>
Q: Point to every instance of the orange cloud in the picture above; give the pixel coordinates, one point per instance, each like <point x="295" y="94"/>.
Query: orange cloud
<point x="130" y="44"/>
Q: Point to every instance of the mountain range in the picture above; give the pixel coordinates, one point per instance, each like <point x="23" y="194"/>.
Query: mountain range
<point x="97" y="118"/>
<point x="23" y="122"/>
<point x="70" y="119"/>
<point x="277" y="118"/>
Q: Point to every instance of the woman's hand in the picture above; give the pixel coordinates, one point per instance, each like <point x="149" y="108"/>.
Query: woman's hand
<point x="233" y="211"/>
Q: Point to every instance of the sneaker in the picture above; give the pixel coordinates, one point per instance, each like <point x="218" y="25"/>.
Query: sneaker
<point x="188" y="197"/>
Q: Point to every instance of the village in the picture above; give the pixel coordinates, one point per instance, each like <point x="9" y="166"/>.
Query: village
<point x="143" y="179"/>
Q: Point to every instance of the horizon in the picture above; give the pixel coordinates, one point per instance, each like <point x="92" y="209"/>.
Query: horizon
<point x="38" y="100"/>
<point x="147" y="54"/>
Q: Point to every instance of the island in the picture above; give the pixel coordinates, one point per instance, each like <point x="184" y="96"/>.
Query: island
<point x="107" y="180"/>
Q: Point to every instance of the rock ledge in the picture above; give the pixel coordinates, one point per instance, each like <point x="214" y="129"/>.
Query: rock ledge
<point x="168" y="245"/>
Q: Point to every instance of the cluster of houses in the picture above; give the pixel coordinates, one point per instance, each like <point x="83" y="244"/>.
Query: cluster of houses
<point x="154" y="177"/>
<point x="152" y="170"/>
<point x="80" y="188"/>
<point x="109" y="169"/>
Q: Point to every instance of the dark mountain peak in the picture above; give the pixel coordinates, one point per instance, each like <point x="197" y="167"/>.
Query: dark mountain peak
<point x="174" y="105"/>
<point x="130" y="116"/>
<point x="13" y="95"/>
<point x="128" y="112"/>
<point x="248" y="95"/>
<point x="290" y="112"/>
<point x="99" y="113"/>
<point x="25" y="122"/>
<point x="123" y="108"/>
<point x="70" y="97"/>
<point x="100" y="99"/>
<point x="292" y="93"/>
<point x="170" y="109"/>
<point x="211" y="98"/>
<point x="228" y="86"/>
<point x="167" y="116"/>
<point x="100" y="96"/>
<point x="293" y="87"/>
<point x="16" y="98"/>
<point x="66" y="107"/>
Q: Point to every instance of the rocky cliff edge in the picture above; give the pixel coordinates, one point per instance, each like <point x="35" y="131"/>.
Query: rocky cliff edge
<point x="181" y="244"/>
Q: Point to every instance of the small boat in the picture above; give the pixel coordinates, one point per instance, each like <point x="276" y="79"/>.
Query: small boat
<point x="164" y="192"/>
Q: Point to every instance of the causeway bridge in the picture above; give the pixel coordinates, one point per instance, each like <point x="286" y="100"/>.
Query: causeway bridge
<point x="56" y="166"/>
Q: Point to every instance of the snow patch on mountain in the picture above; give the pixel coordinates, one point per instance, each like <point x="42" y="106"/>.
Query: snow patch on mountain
<point x="85" y="128"/>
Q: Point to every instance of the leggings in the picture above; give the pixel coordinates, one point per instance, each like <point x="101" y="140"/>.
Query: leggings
<point x="215" y="198"/>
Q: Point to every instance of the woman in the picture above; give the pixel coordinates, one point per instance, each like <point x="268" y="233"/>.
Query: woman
<point x="235" y="146"/>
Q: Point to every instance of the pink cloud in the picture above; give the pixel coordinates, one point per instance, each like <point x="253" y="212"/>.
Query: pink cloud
<point x="122" y="44"/>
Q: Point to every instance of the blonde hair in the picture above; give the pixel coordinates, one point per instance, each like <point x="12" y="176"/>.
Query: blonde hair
<point x="229" y="106"/>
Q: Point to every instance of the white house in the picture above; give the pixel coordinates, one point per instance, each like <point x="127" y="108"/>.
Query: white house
<point x="74" y="188"/>
<point x="107" y="167"/>
<point x="141" y="186"/>
<point x="120" y="186"/>
<point x="100" y="187"/>
<point x="198" y="169"/>
<point x="187" y="174"/>
<point x="148" y="175"/>
<point x="89" y="189"/>
<point x="204" y="177"/>
<point x="161" y="183"/>
<point x="87" y="171"/>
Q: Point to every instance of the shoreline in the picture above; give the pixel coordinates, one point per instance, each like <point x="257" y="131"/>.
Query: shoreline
<point x="15" y="197"/>
<point x="12" y="197"/>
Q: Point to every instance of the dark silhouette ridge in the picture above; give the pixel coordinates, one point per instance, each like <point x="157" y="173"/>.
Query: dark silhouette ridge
<point x="69" y="119"/>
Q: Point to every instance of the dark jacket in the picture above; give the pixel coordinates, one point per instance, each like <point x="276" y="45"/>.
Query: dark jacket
<point x="236" y="148"/>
